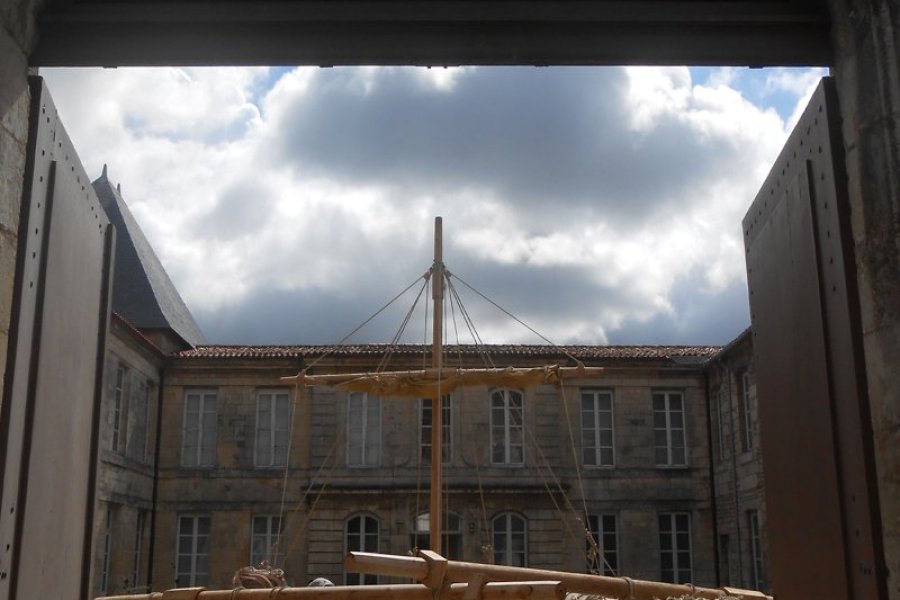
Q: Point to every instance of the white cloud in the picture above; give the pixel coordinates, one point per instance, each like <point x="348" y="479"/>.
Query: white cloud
<point x="284" y="208"/>
<point x="794" y="81"/>
<point x="800" y="84"/>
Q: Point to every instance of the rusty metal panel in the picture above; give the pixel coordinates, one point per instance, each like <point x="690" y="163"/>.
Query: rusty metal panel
<point x="53" y="385"/>
<point x="816" y="439"/>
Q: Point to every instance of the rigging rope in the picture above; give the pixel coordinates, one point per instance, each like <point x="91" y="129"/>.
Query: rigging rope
<point x="486" y="548"/>
<point x="459" y="360"/>
<point x="534" y="443"/>
<point x="421" y="408"/>
<point x="287" y="461"/>
<point x="592" y="541"/>
<point x="389" y="352"/>
<point x="312" y="482"/>
<point x="518" y="320"/>
<point x="332" y="348"/>
<point x="589" y="537"/>
<point x="470" y="324"/>
<point x="425" y="329"/>
<point x="453" y="299"/>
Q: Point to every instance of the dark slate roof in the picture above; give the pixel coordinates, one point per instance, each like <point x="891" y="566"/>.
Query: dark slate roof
<point x="142" y="292"/>
<point x="677" y="354"/>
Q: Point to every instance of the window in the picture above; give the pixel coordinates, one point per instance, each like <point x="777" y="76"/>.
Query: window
<point x="138" y="418"/>
<point x="138" y="547"/>
<point x="668" y="429"/>
<point x="746" y="421"/>
<point x="198" y="442"/>
<point x="192" y="553"/>
<point x="507" y="425"/>
<point x="361" y="535"/>
<point x="725" y="561"/>
<point x="104" y="558"/>
<point x="118" y="409"/>
<point x="451" y="535"/>
<point x="273" y="419"/>
<point x="759" y="569"/>
<point x="425" y="430"/>
<point x="597" y="428"/>
<point x="509" y="538"/>
<point x="363" y="430"/>
<point x="604" y="558"/>
<point x="266" y="543"/>
<point x="675" y="547"/>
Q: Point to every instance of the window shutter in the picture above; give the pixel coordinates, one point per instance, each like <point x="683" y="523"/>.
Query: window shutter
<point x="208" y="437"/>
<point x="281" y="428"/>
<point x="373" y="431"/>
<point x="191" y="430"/>
<point x="264" y="430"/>
<point x="136" y="447"/>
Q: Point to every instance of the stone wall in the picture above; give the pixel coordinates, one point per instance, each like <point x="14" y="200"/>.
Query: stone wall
<point x="323" y="492"/>
<point x="16" y="33"/>
<point x="867" y="48"/>
<point x="737" y="466"/>
<point x="125" y="477"/>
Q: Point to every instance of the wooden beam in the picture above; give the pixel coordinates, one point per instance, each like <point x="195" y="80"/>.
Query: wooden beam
<point x="491" y="32"/>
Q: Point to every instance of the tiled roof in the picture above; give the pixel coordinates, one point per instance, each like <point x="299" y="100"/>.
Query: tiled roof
<point x="509" y="350"/>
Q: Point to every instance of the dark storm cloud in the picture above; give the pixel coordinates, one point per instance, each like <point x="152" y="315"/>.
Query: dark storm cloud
<point x="548" y="138"/>
<point x="313" y="316"/>
<point x="542" y="297"/>
<point x="700" y="317"/>
<point x="537" y="294"/>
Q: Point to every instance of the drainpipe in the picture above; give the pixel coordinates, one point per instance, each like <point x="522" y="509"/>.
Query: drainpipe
<point x="712" y="481"/>
<point x="159" y="411"/>
<point x="734" y="480"/>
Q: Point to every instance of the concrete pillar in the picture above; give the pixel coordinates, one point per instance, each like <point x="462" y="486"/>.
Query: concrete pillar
<point x="866" y="38"/>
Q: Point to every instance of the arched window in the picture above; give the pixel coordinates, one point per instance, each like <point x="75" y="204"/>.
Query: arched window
<point x="451" y="535"/>
<point x="509" y="535"/>
<point x="361" y="535"/>
<point x="507" y="427"/>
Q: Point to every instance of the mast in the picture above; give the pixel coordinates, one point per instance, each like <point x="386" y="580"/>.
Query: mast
<point x="437" y="362"/>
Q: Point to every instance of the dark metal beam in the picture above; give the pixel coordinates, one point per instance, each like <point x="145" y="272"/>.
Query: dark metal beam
<point x="437" y="32"/>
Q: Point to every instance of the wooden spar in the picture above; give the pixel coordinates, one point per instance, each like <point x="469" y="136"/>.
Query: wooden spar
<point x="519" y="590"/>
<point x="437" y="413"/>
<point x="612" y="587"/>
<point x="553" y="373"/>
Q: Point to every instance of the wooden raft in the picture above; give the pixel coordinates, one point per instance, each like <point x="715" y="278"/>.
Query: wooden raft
<point x="442" y="579"/>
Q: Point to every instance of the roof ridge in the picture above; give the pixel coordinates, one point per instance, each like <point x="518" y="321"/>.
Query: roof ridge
<point x="598" y="351"/>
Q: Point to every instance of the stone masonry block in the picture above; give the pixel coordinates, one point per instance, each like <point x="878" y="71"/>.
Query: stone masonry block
<point x="13" y="70"/>
<point x="15" y="120"/>
<point x="12" y="171"/>
<point x="7" y="271"/>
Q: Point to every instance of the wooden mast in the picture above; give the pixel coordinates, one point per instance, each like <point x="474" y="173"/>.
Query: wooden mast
<point x="437" y="413"/>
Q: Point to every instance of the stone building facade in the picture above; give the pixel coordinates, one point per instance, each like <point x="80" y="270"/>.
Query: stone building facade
<point x="863" y="41"/>
<point x="209" y="462"/>
<point x="127" y="450"/>
<point x="149" y="322"/>
<point x="522" y="466"/>
<point x="738" y="478"/>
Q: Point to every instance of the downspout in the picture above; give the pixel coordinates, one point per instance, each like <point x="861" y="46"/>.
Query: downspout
<point x="712" y="482"/>
<point x="734" y="479"/>
<point x="159" y="411"/>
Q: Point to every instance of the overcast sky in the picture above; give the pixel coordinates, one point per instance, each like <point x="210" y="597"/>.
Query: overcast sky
<point x="598" y="205"/>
